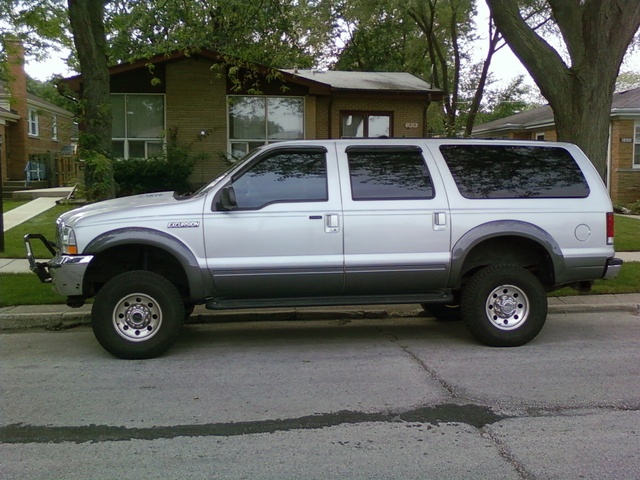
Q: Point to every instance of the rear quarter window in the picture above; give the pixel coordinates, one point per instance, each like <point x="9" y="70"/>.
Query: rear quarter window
<point x="513" y="171"/>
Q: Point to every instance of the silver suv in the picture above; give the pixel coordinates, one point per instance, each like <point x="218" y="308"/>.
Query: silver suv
<point x="479" y="230"/>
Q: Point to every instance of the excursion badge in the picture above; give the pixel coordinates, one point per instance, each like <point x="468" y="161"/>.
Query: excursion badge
<point x="194" y="224"/>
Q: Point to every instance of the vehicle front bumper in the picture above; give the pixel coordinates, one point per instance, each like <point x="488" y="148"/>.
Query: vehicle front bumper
<point x="65" y="272"/>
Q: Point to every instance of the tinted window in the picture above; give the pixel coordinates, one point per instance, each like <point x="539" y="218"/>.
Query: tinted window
<point x="283" y="177"/>
<point x="510" y="171"/>
<point x="388" y="175"/>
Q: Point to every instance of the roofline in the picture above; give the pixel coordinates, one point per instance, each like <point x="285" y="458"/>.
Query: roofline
<point x="317" y="87"/>
<point x="615" y="113"/>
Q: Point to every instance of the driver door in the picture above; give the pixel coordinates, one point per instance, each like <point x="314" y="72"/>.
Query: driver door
<point x="282" y="237"/>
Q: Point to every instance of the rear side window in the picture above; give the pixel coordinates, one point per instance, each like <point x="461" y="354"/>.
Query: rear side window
<point x="511" y="171"/>
<point x="388" y="174"/>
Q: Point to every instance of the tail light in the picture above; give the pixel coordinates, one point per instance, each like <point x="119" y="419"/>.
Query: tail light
<point x="610" y="228"/>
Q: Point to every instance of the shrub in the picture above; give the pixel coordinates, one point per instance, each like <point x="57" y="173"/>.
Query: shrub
<point x="157" y="174"/>
<point x="98" y="177"/>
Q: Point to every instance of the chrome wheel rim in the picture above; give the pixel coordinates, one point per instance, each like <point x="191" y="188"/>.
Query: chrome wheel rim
<point x="137" y="317"/>
<point x="507" y="307"/>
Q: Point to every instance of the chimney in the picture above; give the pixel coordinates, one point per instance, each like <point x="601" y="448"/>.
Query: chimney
<point x="17" y="133"/>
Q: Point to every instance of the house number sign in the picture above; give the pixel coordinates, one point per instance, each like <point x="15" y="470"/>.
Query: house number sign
<point x="626" y="140"/>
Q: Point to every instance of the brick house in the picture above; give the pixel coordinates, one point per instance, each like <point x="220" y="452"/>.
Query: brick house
<point x="29" y="125"/>
<point x="192" y="99"/>
<point x="623" y="159"/>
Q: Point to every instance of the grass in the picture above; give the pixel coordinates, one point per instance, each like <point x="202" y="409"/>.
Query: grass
<point x="44" y="223"/>
<point x="627" y="281"/>
<point x="11" y="204"/>
<point x="627" y="234"/>
<point x="26" y="289"/>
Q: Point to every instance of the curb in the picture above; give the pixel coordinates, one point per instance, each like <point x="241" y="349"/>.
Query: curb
<point x="67" y="320"/>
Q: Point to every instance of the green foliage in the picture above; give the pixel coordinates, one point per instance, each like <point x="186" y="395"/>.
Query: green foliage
<point x="99" y="182"/>
<point x="168" y="172"/>
<point x="268" y="32"/>
<point x="49" y="92"/>
<point x="627" y="80"/>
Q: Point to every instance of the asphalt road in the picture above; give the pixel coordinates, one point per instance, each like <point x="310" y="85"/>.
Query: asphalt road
<point x="405" y="398"/>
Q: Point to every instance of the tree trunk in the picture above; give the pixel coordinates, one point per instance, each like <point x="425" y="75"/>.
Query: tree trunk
<point x="597" y="34"/>
<point x="87" y="22"/>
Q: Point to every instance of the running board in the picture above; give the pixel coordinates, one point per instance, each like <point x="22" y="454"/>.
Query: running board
<point x="439" y="296"/>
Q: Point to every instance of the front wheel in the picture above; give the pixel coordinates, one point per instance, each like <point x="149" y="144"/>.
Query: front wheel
<point x="137" y="314"/>
<point x="504" y="306"/>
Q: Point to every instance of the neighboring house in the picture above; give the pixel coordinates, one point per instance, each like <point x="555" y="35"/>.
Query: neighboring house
<point x="192" y="99"/>
<point x="623" y="161"/>
<point x="29" y="125"/>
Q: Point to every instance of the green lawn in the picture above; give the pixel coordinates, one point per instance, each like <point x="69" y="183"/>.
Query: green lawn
<point x="26" y="289"/>
<point x="627" y="234"/>
<point x="11" y="204"/>
<point x="44" y="223"/>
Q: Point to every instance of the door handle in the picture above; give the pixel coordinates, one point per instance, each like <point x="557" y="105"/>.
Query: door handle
<point x="439" y="221"/>
<point x="331" y="222"/>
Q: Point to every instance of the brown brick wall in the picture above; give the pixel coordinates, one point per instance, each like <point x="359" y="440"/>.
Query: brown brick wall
<point x="624" y="179"/>
<point x="44" y="142"/>
<point x="17" y="132"/>
<point x="3" y="153"/>
<point x="196" y="101"/>
<point x="406" y="110"/>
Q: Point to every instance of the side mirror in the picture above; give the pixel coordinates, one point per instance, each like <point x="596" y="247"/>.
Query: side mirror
<point x="227" y="199"/>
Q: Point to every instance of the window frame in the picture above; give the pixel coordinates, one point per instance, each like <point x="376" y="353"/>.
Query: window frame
<point x="366" y="114"/>
<point x="390" y="150"/>
<point x="54" y="128"/>
<point x="270" y="154"/>
<point x="463" y="171"/>
<point x="34" y="122"/>
<point x="147" y="140"/>
<point x="246" y="142"/>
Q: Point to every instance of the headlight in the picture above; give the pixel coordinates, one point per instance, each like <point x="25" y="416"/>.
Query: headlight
<point x="67" y="240"/>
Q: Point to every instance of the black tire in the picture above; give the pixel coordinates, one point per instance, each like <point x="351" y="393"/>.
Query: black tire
<point x="443" y="312"/>
<point x="137" y="315"/>
<point x="504" y="306"/>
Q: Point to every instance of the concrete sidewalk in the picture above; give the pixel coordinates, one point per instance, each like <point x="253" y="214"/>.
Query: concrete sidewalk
<point x="27" y="211"/>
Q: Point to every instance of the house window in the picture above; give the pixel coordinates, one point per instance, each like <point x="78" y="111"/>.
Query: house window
<point x="138" y="123"/>
<point x="540" y="136"/>
<point x="256" y="121"/>
<point x="34" y="129"/>
<point x="636" y="146"/>
<point x="54" y="127"/>
<point x="366" y="124"/>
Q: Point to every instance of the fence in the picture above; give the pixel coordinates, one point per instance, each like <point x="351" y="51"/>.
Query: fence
<point x="56" y="169"/>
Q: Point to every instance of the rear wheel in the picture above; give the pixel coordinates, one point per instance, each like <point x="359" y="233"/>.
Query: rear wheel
<point x="504" y="306"/>
<point x="137" y="314"/>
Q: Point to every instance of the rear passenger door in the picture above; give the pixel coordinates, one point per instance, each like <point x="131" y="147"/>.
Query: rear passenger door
<point x="396" y="220"/>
